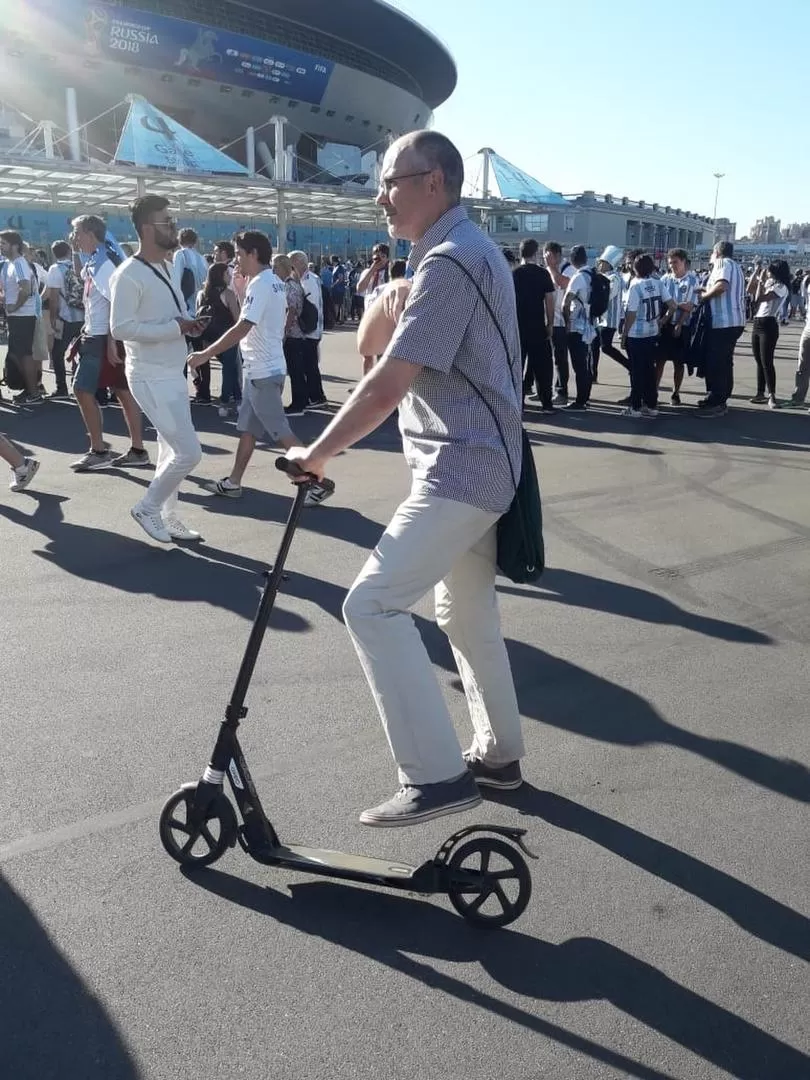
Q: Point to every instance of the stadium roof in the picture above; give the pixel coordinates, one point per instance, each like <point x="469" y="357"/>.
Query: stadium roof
<point x="379" y="28"/>
<point x="55" y="185"/>
<point x="28" y="182"/>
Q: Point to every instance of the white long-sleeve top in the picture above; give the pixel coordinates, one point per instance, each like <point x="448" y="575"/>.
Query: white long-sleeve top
<point x="144" y="316"/>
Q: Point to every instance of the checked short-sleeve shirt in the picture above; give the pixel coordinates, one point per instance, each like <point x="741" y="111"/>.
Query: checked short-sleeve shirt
<point x="450" y="439"/>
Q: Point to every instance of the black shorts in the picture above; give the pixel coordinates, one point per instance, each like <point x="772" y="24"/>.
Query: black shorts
<point x="671" y="347"/>
<point x="21" y="335"/>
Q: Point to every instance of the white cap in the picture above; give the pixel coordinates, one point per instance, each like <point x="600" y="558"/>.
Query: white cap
<point x="612" y="255"/>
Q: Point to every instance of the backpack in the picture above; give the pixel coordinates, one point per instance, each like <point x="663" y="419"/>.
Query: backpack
<point x="73" y="289"/>
<point x="600" y="294"/>
<point x="328" y="309"/>
<point x="12" y="374"/>
<point x="188" y="283"/>
<point x="308" y="319"/>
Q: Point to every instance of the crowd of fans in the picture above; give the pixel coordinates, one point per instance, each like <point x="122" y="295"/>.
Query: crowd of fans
<point x="571" y="313"/>
<point x="626" y="306"/>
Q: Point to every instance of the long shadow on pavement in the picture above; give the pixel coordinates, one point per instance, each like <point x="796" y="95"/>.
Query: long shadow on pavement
<point x="557" y="692"/>
<point x="574" y="589"/>
<point x="755" y="911"/>
<point x="53" y="1025"/>
<point x="390" y="930"/>
<point x="771" y="429"/>
<point x="121" y="562"/>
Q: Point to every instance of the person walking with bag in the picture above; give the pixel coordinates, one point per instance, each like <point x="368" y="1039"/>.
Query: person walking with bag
<point x="459" y="400"/>
<point x="148" y="314"/>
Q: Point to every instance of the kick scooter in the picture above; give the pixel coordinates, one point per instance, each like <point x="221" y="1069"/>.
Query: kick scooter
<point x="485" y="876"/>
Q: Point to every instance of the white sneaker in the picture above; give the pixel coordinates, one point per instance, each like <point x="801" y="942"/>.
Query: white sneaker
<point x="178" y="530"/>
<point x="635" y="413"/>
<point x="152" y="523"/>
<point x="648" y="413"/>
<point x="22" y="476"/>
<point x="772" y="402"/>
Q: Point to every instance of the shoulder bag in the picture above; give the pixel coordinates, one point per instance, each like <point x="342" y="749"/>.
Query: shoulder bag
<point x="521" y="552"/>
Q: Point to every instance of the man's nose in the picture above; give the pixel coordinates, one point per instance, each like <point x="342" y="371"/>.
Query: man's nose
<point x="382" y="198"/>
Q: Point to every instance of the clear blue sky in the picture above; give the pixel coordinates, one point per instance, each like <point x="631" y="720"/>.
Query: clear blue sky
<point x="531" y="72"/>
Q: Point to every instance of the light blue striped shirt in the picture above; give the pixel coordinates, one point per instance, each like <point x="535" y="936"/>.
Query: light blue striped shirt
<point x="613" y="316"/>
<point x="580" y="315"/>
<point x="681" y="291"/>
<point x="729" y="308"/>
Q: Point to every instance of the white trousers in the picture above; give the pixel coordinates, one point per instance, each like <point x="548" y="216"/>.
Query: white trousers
<point x="449" y="546"/>
<point x="165" y="402"/>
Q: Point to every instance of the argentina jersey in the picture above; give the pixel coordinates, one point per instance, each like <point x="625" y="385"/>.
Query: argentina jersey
<point x="646" y="298"/>
<point x="681" y="291"/>
<point x="615" y="309"/>
<point x="729" y="308"/>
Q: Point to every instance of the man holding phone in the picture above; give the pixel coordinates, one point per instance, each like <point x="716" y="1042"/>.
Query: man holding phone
<point x="149" y="315"/>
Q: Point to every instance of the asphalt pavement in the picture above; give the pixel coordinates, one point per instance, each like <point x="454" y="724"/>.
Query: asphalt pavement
<point x="661" y="668"/>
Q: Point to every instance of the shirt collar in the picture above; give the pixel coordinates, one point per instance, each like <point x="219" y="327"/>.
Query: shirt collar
<point x="435" y="234"/>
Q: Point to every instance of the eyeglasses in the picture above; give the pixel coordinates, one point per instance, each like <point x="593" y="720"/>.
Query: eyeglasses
<point x="388" y="182"/>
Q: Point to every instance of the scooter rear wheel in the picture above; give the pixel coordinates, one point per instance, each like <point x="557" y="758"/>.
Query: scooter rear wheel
<point x="202" y="844"/>
<point x="504" y="884"/>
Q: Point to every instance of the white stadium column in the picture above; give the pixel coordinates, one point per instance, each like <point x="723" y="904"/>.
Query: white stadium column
<point x="281" y="218"/>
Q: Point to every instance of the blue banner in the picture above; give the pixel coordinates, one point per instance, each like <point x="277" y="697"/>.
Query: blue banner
<point x="150" y="138"/>
<point x="162" y="43"/>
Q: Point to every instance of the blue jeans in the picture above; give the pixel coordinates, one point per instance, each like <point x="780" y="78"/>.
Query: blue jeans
<point x="231" y="388"/>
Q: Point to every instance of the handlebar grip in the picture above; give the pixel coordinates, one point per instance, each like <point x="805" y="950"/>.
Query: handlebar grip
<point x="292" y="468"/>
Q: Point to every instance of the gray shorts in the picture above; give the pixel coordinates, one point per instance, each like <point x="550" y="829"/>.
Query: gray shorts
<point x="262" y="412"/>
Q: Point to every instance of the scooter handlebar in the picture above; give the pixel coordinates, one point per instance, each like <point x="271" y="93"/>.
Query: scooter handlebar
<point x="293" y="469"/>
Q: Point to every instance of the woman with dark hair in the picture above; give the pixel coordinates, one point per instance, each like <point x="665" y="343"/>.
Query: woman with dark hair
<point x="769" y="289"/>
<point x="217" y="302"/>
<point x="647" y="303"/>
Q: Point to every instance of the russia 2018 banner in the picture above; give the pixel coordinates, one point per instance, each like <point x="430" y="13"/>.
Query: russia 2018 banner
<point x="162" y="43"/>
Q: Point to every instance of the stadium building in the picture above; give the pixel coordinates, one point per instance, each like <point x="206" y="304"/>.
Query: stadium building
<point x="345" y="76"/>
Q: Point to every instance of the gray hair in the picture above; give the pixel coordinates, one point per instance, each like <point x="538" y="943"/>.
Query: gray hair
<point x="437" y="152"/>
<point x="299" y="258"/>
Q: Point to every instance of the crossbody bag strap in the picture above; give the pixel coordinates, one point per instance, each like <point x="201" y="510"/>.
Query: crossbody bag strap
<point x="165" y="281"/>
<point x="492" y="413"/>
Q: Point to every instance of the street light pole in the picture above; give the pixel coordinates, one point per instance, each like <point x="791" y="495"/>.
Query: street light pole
<point x="718" y="177"/>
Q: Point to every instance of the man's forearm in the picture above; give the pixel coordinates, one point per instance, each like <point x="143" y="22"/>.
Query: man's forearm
<point x="365" y="279"/>
<point x="716" y="290"/>
<point x="22" y="298"/>
<point x="229" y="339"/>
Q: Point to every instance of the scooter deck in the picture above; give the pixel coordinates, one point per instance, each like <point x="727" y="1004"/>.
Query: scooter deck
<point x="341" y="864"/>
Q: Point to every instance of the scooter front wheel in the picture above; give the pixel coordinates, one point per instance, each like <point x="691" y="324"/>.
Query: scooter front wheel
<point x="197" y="843"/>
<point x="490" y="884"/>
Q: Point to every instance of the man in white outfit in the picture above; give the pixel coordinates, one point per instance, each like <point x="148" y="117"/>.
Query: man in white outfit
<point x="149" y="316"/>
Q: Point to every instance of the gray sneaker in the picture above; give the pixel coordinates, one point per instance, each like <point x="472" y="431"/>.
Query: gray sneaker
<point x="94" y="459"/>
<point x="414" y="804"/>
<point x="505" y="777"/>
<point x="223" y="487"/>
<point x="132" y="457"/>
<point x="22" y="476"/>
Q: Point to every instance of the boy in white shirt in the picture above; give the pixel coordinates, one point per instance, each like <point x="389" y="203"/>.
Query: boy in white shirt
<point x="260" y="336"/>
